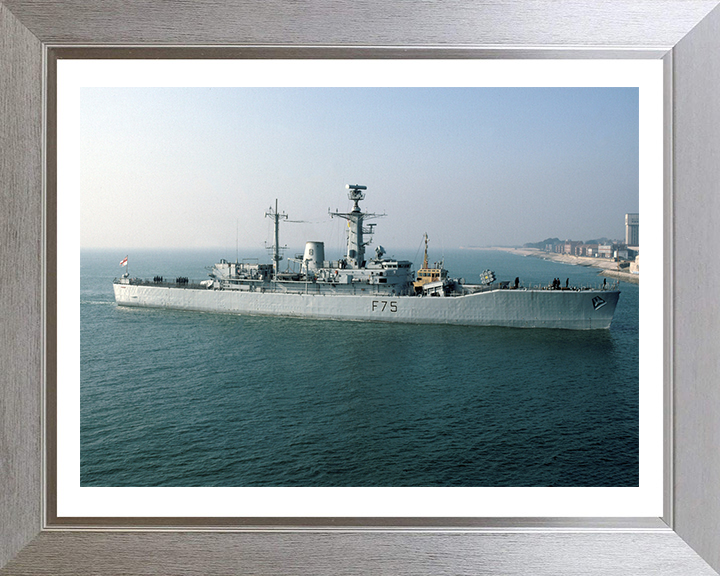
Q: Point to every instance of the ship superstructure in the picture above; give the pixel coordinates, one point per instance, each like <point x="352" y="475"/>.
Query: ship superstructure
<point x="360" y="287"/>
<point x="349" y="275"/>
<point x="429" y="278"/>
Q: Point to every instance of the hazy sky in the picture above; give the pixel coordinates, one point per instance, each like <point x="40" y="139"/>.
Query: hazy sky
<point x="181" y="168"/>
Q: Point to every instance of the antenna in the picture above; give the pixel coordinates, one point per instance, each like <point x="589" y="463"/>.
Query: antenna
<point x="355" y="241"/>
<point x="425" y="262"/>
<point x="356" y="194"/>
<point x="276" y="216"/>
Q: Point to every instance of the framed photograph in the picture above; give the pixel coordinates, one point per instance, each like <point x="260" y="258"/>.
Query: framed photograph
<point x="659" y="518"/>
<point x="572" y="415"/>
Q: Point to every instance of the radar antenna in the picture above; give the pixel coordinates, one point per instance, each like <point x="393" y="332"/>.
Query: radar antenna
<point x="356" y="194"/>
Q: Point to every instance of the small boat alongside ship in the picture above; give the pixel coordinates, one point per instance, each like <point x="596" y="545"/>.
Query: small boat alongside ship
<point x="375" y="288"/>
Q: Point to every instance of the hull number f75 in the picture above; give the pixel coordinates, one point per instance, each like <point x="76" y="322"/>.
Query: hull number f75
<point x="384" y="306"/>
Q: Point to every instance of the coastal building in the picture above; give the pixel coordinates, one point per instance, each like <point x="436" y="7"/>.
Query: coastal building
<point x="586" y="250"/>
<point x="635" y="266"/>
<point x="632" y="229"/>
<point x="569" y="246"/>
<point x="605" y="250"/>
<point x="626" y="252"/>
<point x="591" y="250"/>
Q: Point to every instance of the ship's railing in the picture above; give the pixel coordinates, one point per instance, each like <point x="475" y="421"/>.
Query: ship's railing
<point x="475" y="288"/>
<point x="184" y="283"/>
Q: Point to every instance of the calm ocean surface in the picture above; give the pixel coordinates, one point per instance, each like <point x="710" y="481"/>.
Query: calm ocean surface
<point x="172" y="398"/>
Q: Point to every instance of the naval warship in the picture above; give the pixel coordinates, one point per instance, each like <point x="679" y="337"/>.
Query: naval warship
<point x="370" y="288"/>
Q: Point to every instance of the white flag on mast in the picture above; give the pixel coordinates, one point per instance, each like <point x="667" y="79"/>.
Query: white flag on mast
<point x="123" y="262"/>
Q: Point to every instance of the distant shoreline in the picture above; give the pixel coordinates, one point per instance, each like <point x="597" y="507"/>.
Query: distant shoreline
<point x="607" y="266"/>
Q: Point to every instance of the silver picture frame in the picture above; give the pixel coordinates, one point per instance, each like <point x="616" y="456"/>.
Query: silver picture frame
<point x="685" y="34"/>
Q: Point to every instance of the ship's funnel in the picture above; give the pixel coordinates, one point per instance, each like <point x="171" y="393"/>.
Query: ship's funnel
<point x="314" y="255"/>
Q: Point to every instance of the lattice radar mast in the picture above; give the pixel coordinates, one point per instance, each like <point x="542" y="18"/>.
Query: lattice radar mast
<point x="276" y="217"/>
<point x="355" y="257"/>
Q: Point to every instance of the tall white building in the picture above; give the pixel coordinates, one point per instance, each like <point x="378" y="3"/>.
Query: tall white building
<point x="632" y="229"/>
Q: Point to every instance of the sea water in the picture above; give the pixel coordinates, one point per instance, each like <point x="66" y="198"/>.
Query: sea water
<point x="177" y="398"/>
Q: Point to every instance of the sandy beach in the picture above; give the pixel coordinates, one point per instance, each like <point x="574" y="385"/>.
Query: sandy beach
<point x="607" y="266"/>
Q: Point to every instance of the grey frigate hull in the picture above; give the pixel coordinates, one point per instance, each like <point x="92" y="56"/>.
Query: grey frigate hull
<point x="521" y="308"/>
<point x="364" y="288"/>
